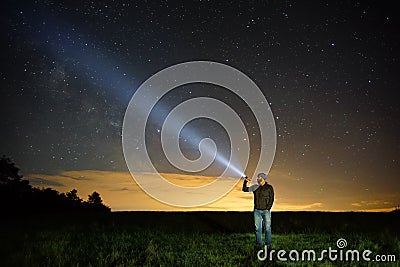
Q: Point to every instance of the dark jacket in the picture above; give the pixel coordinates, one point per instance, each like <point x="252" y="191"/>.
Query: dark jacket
<point x="263" y="196"/>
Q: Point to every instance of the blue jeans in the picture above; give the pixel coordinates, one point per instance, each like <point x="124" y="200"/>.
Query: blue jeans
<point x="261" y="216"/>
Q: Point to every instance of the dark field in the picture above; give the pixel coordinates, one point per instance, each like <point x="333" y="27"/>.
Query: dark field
<point x="189" y="238"/>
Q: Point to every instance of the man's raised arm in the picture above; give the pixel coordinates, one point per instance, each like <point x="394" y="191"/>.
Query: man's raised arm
<point x="251" y="188"/>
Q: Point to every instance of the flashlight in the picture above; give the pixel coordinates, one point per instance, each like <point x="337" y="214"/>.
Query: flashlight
<point x="246" y="177"/>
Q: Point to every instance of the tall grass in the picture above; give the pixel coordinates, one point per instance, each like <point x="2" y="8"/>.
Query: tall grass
<point x="93" y="243"/>
<point x="102" y="247"/>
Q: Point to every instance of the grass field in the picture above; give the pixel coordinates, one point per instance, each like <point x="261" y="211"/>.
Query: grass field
<point x="187" y="239"/>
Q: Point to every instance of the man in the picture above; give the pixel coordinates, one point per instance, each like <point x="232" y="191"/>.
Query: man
<point x="263" y="200"/>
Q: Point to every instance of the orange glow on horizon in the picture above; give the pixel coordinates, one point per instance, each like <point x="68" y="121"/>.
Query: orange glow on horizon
<point x="119" y="191"/>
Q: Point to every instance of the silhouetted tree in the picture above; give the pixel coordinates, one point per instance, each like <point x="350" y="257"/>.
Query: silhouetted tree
<point x="47" y="200"/>
<point x="95" y="199"/>
<point x="18" y="196"/>
<point x="95" y="202"/>
<point x="13" y="189"/>
<point x="9" y="175"/>
<point x="8" y="171"/>
<point x="73" y="198"/>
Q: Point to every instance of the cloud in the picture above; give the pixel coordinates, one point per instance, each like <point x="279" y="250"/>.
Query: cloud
<point x="120" y="189"/>
<point x="40" y="182"/>
<point x="373" y="205"/>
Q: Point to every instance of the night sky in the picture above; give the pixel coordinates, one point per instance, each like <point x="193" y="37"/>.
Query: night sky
<point x="329" y="70"/>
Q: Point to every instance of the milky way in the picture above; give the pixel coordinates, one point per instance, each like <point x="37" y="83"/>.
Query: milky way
<point x="329" y="71"/>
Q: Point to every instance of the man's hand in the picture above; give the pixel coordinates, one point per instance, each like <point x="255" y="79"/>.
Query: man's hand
<point x="248" y="179"/>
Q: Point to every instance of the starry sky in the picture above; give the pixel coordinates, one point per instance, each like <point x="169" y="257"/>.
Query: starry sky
<point x="329" y="71"/>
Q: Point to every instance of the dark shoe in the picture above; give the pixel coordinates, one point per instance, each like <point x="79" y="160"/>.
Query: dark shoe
<point x="257" y="247"/>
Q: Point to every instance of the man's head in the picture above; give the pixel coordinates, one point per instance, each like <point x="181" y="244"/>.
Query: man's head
<point x="261" y="178"/>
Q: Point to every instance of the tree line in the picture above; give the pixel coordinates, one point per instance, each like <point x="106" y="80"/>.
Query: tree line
<point x="18" y="196"/>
